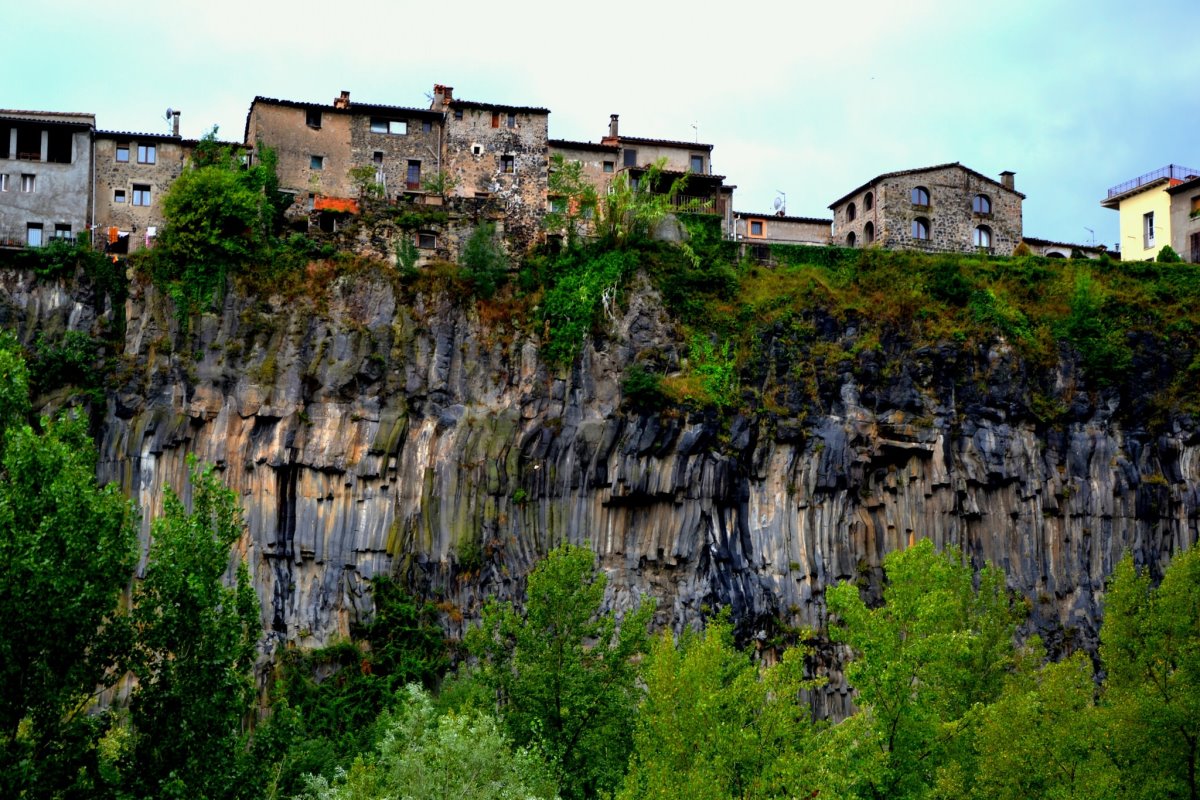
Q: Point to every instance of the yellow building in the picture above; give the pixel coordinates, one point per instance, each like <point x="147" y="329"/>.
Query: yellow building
<point x="1145" y="209"/>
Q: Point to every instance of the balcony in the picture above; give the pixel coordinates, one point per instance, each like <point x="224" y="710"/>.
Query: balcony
<point x="1172" y="171"/>
<point x="697" y="204"/>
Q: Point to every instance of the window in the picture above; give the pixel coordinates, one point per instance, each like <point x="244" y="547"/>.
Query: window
<point x="413" y="177"/>
<point x="147" y="154"/>
<point x="3" y="183"/>
<point x="697" y="165"/>
<point x="426" y="241"/>
<point x="33" y="234"/>
<point x="312" y="118"/>
<point x="62" y="231"/>
<point x="868" y="230"/>
<point x="558" y="205"/>
<point x="426" y="127"/>
<point x="983" y="237"/>
<point x="609" y="166"/>
<point x="850" y="239"/>
<point x="868" y="201"/>
<point x="28" y="182"/>
<point x="511" y="121"/>
<point x="920" y="196"/>
<point x="758" y="227"/>
<point x="920" y="229"/>
<point x="508" y="164"/>
<point x="851" y="212"/>
<point x="123" y="153"/>
<point x="118" y="195"/>
<point x="458" y="113"/>
<point x="630" y="158"/>
<point x="395" y="127"/>
<point x="982" y="204"/>
<point x="377" y="157"/>
<point x="316" y="162"/>
<point x="476" y="149"/>
<point x="1148" y="229"/>
<point x="495" y="119"/>
<point x="141" y="194"/>
<point x="1196" y="206"/>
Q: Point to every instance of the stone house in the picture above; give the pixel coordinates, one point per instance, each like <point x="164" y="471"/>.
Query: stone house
<point x="757" y="232"/>
<point x="1185" y="219"/>
<point x="1145" y="207"/>
<point x="498" y="153"/>
<point x="133" y="172"/>
<point x="945" y="208"/>
<point x="45" y="176"/>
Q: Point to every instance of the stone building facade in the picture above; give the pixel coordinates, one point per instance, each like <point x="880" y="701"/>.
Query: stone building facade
<point x="499" y="153"/>
<point x="1185" y="219"/>
<point x="45" y="176"/>
<point x="133" y="173"/>
<point x="946" y="208"/>
<point x="752" y="229"/>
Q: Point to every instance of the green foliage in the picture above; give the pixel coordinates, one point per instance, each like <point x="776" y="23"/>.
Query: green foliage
<point x="219" y="217"/>
<point x="713" y="725"/>
<point x="1150" y="645"/>
<point x="14" y="383"/>
<point x="71" y="361"/>
<point x="582" y="286"/>
<point x="67" y="548"/>
<point x="563" y="673"/>
<point x="717" y="369"/>
<point x="406" y="257"/>
<point x="484" y="262"/>
<point x="194" y="651"/>
<point x="995" y="310"/>
<point x="440" y="182"/>
<point x="1098" y="337"/>
<point x="423" y="755"/>
<point x="573" y="198"/>
<point x="642" y="389"/>
<point x="1167" y="255"/>
<point x="364" y="180"/>
<point x="631" y="210"/>
<point x="923" y="660"/>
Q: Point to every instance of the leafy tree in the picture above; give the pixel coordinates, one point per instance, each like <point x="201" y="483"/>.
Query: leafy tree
<point x="195" y="650"/>
<point x="426" y="756"/>
<point x="1168" y="255"/>
<point x="364" y="179"/>
<point x="935" y="649"/>
<point x="632" y="209"/>
<point x="1045" y="737"/>
<point x="483" y="260"/>
<point x="574" y="198"/>
<point x="67" y="547"/>
<point x="1150" y="645"/>
<point x="563" y="673"/>
<point x="714" y="726"/>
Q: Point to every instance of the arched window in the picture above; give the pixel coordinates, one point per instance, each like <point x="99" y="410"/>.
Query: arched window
<point x="920" y="229"/>
<point x="982" y="204"/>
<point x="851" y="213"/>
<point x="983" y="236"/>
<point x="850" y="239"/>
<point x="920" y="196"/>
<point x="1055" y="254"/>
<point x="868" y="201"/>
<point x="869" y="231"/>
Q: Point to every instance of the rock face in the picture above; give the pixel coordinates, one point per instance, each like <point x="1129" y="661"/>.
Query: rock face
<point x="419" y="435"/>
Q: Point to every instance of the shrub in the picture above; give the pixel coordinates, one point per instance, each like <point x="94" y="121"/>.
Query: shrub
<point x="483" y="260"/>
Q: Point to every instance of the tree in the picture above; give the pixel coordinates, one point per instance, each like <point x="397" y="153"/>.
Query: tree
<point x="563" y="673"/>
<point x="67" y="547"/>
<point x="573" y="198"/>
<point x="426" y="756"/>
<point x="923" y="660"/>
<point x="483" y="260"/>
<point x="195" y="650"/>
<point x="713" y="725"/>
<point x="1150" y="646"/>
<point x="633" y="208"/>
<point x="1168" y="255"/>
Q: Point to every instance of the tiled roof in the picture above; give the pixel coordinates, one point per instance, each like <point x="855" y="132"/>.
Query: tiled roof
<point x="774" y="216"/>
<point x="569" y="145"/>
<point x="669" y="142"/>
<point x="918" y="170"/>
<point x="498" y="107"/>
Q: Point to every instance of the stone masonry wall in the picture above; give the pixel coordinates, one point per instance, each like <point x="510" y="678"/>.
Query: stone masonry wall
<point x="113" y="176"/>
<point x="284" y="128"/>
<point x="418" y="144"/>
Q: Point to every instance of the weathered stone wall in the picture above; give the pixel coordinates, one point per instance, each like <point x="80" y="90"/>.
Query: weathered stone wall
<point x="61" y="191"/>
<point x="476" y="155"/>
<point x="283" y="127"/>
<point x="678" y="155"/>
<point x="171" y="155"/>
<point x="417" y="144"/>
<point x="950" y="213"/>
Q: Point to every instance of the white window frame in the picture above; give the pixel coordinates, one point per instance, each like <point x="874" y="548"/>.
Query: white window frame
<point x="28" y="182"/>
<point x="30" y="228"/>
<point x="4" y="182"/>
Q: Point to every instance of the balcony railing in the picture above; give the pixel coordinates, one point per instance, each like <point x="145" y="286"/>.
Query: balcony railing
<point x="696" y="204"/>
<point x="1172" y="171"/>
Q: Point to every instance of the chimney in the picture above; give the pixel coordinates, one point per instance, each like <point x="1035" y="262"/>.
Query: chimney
<point x="342" y="101"/>
<point x="442" y="95"/>
<point x="1006" y="180"/>
<point x="613" y="136"/>
<point x="175" y="123"/>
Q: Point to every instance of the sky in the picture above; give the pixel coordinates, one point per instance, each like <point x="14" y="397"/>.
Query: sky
<point x="799" y="99"/>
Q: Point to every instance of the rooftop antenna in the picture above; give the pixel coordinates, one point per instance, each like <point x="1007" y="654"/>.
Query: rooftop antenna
<point x="696" y="128"/>
<point x="1092" y="232"/>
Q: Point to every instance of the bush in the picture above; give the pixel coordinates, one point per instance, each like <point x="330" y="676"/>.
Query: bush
<point x="483" y="260"/>
<point x="1168" y="255"/>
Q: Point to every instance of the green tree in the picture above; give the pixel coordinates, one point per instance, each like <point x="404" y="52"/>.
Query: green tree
<point x="633" y="208"/>
<point x="563" y="672"/>
<point x="1168" y="255"/>
<point x="67" y="547"/>
<point x="713" y="725"/>
<point x="923" y="661"/>
<point x="195" y="650"/>
<point x="573" y="198"/>
<point x="426" y="756"/>
<point x="483" y="260"/>
<point x="1150" y="646"/>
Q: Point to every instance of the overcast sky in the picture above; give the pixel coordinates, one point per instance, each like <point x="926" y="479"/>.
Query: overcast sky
<point x="809" y="99"/>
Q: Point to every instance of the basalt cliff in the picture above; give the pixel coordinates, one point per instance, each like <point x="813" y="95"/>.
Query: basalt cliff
<point x="411" y="431"/>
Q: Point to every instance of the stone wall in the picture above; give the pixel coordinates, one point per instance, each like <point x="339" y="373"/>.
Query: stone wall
<point x="284" y="128"/>
<point x="421" y="142"/>
<point x="61" y="191"/>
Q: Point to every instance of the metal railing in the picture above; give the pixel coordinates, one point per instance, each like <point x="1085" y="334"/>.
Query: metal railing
<point x="1173" y="171"/>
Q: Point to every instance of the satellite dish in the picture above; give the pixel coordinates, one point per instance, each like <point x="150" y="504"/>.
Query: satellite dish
<point x="778" y="203"/>
<point x="170" y="113"/>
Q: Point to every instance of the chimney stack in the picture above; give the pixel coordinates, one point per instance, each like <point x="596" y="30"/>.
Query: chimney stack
<point x="442" y="95"/>
<point x="1006" y="180"/>
<point x="342" y="101"/>
<point x="613" y="137"/>
<point x="175" y="123"/>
